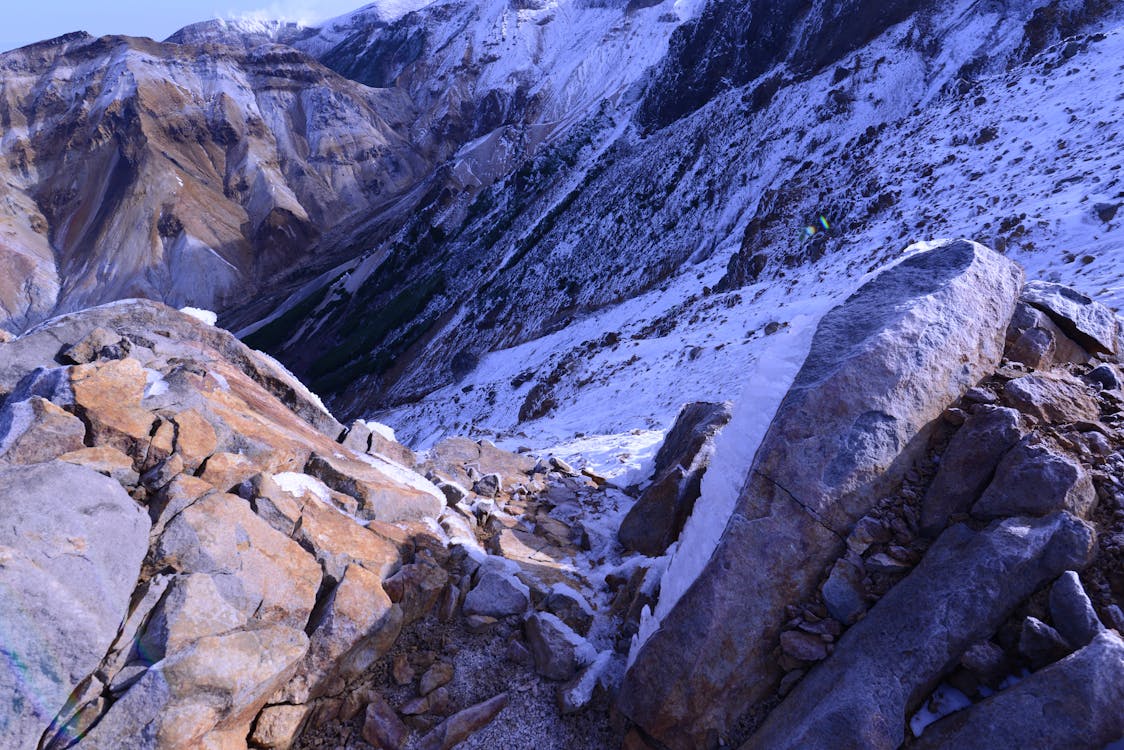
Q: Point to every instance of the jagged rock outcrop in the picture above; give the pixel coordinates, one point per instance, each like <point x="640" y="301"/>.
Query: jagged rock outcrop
<point x="257" y="587"/>
<point x="885" y="666"/>
<point x="882" y="367"/>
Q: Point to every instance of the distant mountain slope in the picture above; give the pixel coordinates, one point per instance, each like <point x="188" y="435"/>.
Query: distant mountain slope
<point x="189" y="175"/>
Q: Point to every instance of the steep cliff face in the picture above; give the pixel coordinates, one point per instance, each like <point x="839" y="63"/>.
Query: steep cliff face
<point x="185" y="174"/>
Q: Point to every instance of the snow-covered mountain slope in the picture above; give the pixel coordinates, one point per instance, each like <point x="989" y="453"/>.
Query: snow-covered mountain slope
<point x="627" y="268"/>
<point x="185" y="174"/>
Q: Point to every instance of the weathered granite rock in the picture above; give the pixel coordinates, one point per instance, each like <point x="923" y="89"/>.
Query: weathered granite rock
<point x="380" y="497"/>
<point x="1074" y="703"/>
<point x="882" y="367"/>
<point x="1034" y="480"/>
<point x="658" y="516"/>
<point x="381" y="726"/>
<point x="217" y="685"/>
<point x="69" y="560"/>
<point x="1089" y="323"/>
<point x="497" y="594"/>
<point x="1072" y="611"/>
<point x="460" y="726"/>
<point x="889" y="662"/>
<point x="1036" y="341"/>
<point x="1040" y="644"/>
<point x="36" y="430"/>
<point x="1052" y="397"/>
<point x="169" y="333"/>
<point x="558" y="651"/>
<point x="968" y="465"/>
<point x="278" y="727"/>
<point x="351" y="619"/>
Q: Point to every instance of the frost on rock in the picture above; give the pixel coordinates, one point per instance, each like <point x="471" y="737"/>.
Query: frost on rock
<point x="767" y="383"/>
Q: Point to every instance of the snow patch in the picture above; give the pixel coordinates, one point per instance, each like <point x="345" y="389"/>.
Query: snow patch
<point x="299" y="485"/>
<point x="205" y="316"/>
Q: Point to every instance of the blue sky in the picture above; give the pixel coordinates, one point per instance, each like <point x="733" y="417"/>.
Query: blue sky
<point x="30" y="21"/>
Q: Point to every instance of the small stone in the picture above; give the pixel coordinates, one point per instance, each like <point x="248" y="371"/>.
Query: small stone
<point x="1106" y="212"/>
<point x="867" y="531"/>
<point x="441" y="701"/>
<point x="571" y="607"/>
<point x="885" y="563"/>
<point x="497" y="595"/>
<point x="488" y="485"/>
<point x="439" y="674"/>
<point x="278" y="727"/>
<point x="1072" y="611"/>
<point x="788" y="682"/>
<point x="1105" y="376"/>
<point x="1040" y="644"/>
<point x="518" y="653"/>
<point x="401" y="671"/>
<point x="802" y="646"/>
<point x="460" y="726"/>
<point x="986" y="661"/>
<point x="415" y="706"/>
<point x="562" y="467"/>
<point x="558" y="651"/>
<point x="844" y="593"/>
<point x="448" y="603"/>
<point x="479" y="623"/>
<point x="453" y="492"/>
<point x="381" y="725"/>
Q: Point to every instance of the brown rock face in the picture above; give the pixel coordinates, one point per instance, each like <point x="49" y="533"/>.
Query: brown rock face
<point x="36" y="430"/>
<point x="180" y="165"/>
<point x="882" y="367"/>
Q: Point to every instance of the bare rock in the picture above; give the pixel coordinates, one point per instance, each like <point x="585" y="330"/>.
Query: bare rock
<point x="803" y="646"/>
<point x="658" y="516"/>
<point x="558" y="651"/>
<point x="417" y="587"/>
<point x="382" y="728"/>
<point x="1034" y="480"/>
<point x="1037" y="342"/>
<point x="882" y="368"/>
<point x="97" y="344"/>
<point x="35" y="430"/>
<point x="68" y="563"/>
<point x="1052" y="397"/>
<point x="885" y="665"/>
<point x="1072" y="611"/>
<point x="279" y="727"/>
<point x="968" y="465"/>
<point x="439" y="674"/>
<point x="1089" y="323"/>
<point x="1040" y="644"/>
<point x="355" y="626"/>
<point x="497" y="594"/>
<point x="488" y="485"/>
<point x="105" y="460"/>
<point x="843" y="591"/>
<point x="570" y="607"/>
<point x="1074" y="703"/>
<point x="460" y="726"/>
<point x="383" y="492"/>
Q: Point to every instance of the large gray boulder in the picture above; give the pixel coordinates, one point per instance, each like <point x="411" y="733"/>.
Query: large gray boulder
<point x="71" y="547"/>
<point x="1075" y="704"/>
<point x="882" y="367"/>
<point x="886" y="665"/>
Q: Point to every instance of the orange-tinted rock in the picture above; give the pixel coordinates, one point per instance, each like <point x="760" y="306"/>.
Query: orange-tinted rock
<point x="108" y="395"/>
<point x="219" y="533"/>
<point x="195" y="438"/>
<point x="105" y="460"/>
<point x="225" y="471"/>
<point x="381" y="496"/>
